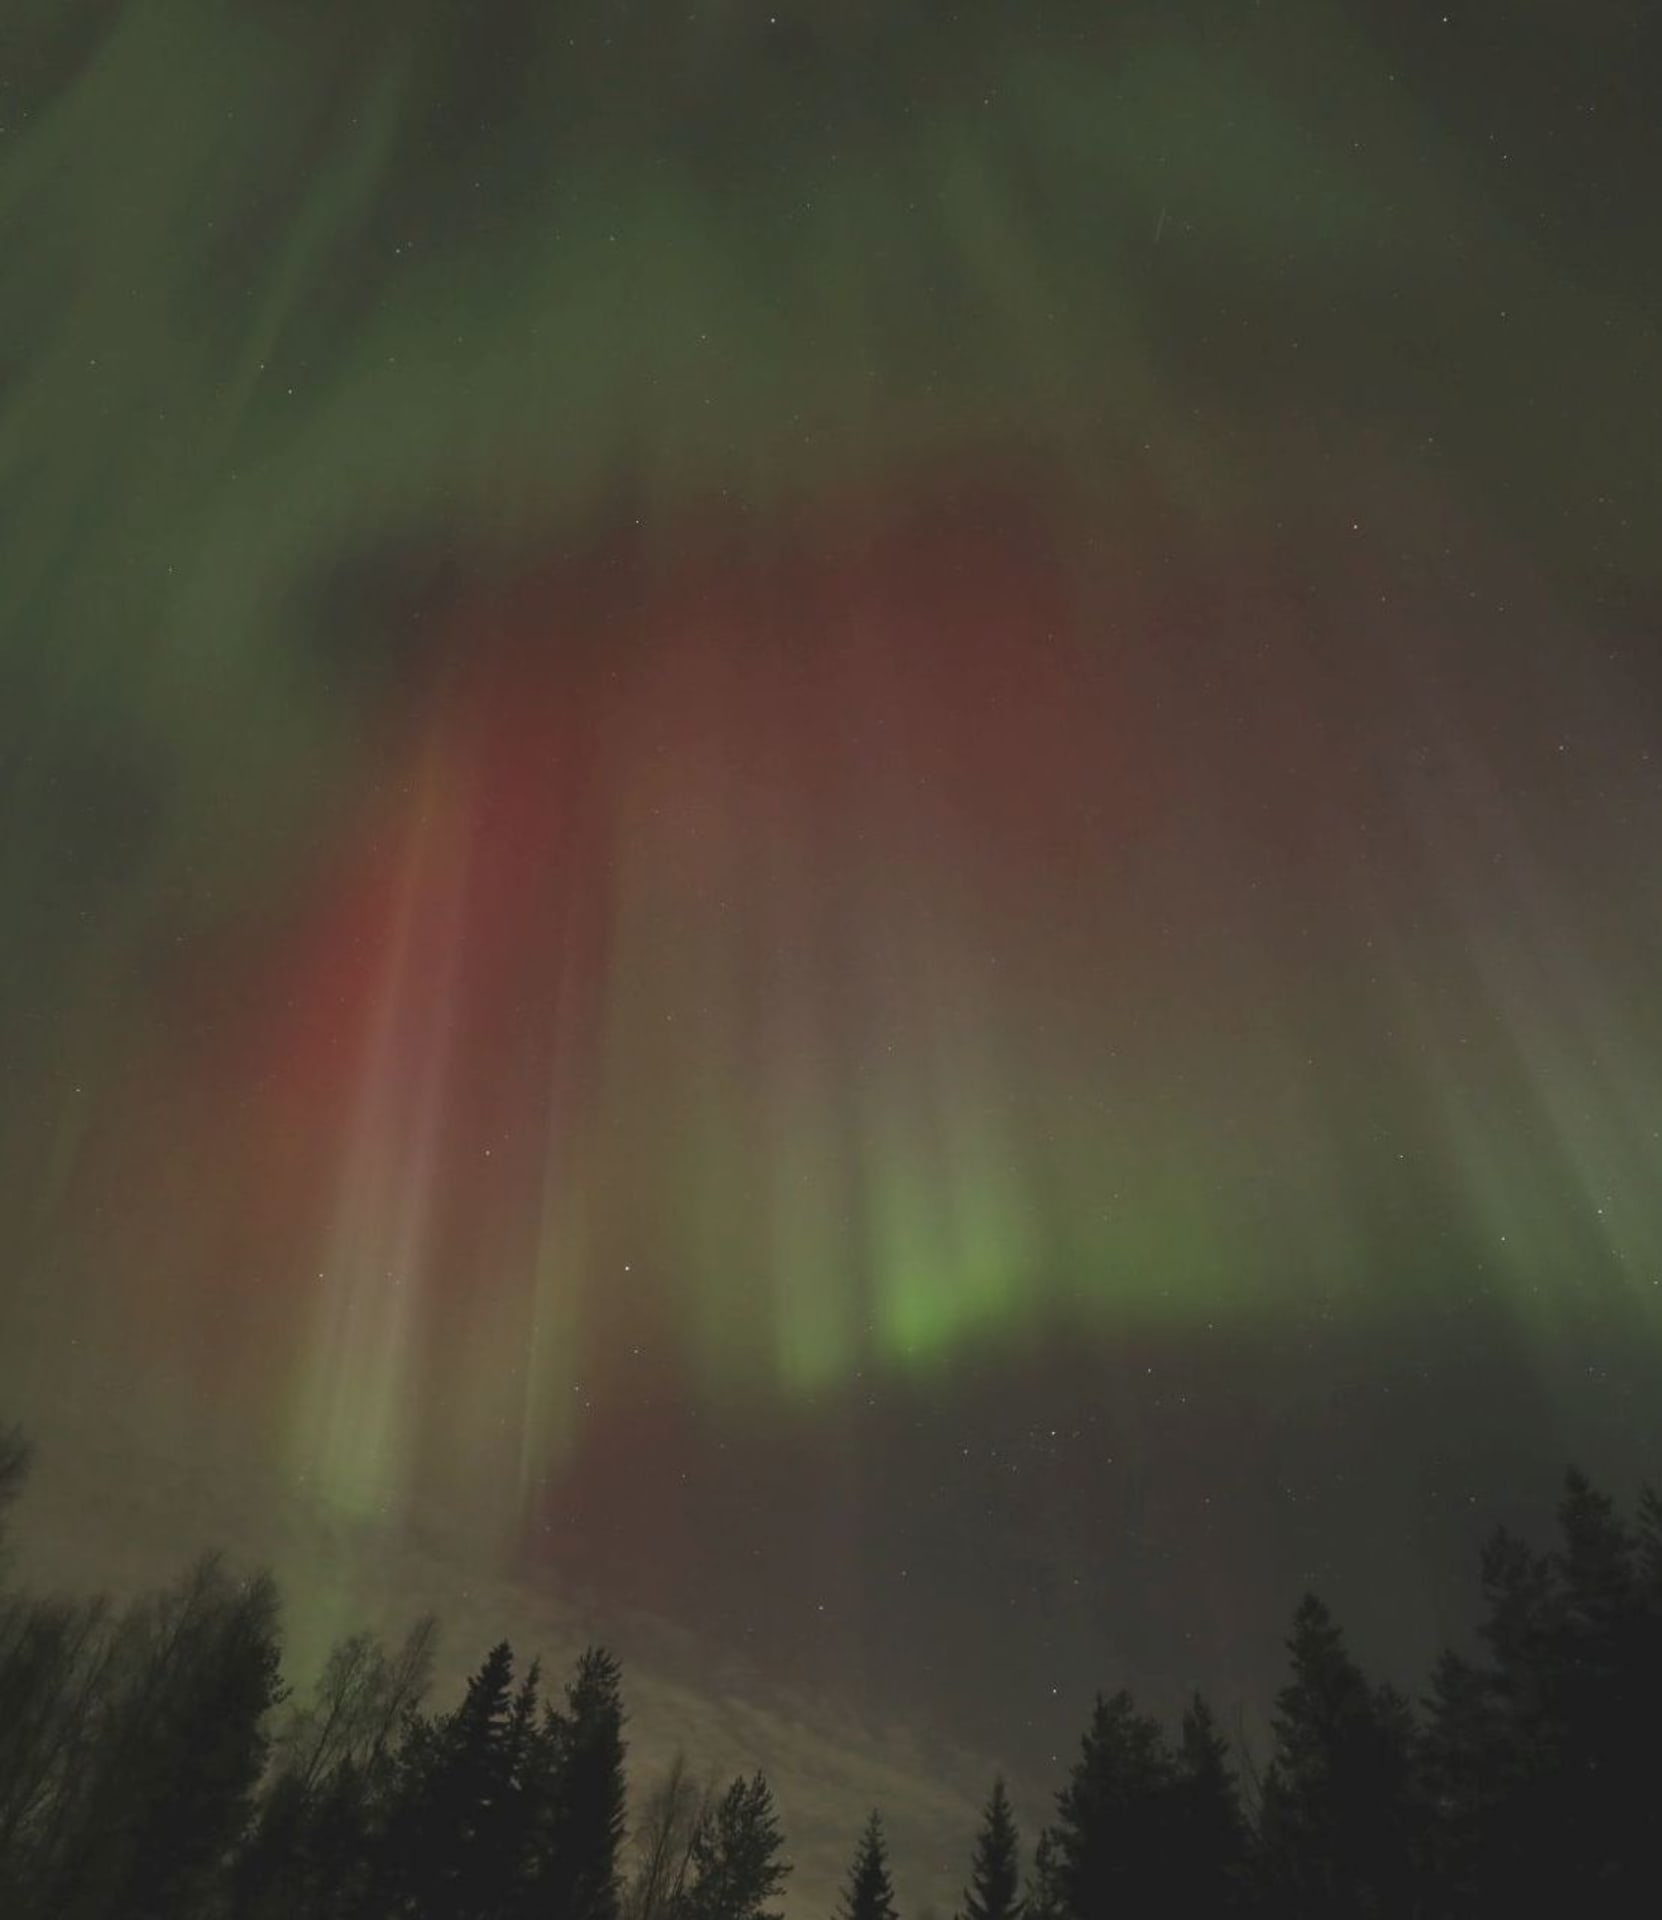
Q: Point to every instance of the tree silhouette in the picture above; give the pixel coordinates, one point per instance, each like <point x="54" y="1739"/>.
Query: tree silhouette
<point x="53" y="1657"/>
<point x="868" y="1893"/>
<point x="576" y="1769"/>
<point x="1605" y="1781"/>
<point x="994" y="1892"/>
<point x="145" y="1771"/>
<point x="361" y="1700"/>
<point x="736" y="1868"/>
<point x="1337" y="1827"/>
<point x="662" y="1841"/>
<point x="1648" y="1551"/>
<point x="455" y="1781"/>
<point x="1540" y="1759"/>
<point x="172" y="1745"/>
<point x="15" y="1458"/>
<point x="1112" y="1816"/>
<point x="1470" y="1774"/>
<point x="1045" y="1899"/>
<point x="331" y="1781"/>
<point x="1208" y="1833"/>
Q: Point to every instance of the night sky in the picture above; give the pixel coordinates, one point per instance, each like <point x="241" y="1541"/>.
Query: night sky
<point x="830" y="835"/>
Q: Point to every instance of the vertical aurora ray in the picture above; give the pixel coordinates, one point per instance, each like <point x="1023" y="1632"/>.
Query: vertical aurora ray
<point x="559" y="1261"/>
<point x="718" y="728"/>
<point x="358" y="1394"/>
<point x="1549" y="1059"/>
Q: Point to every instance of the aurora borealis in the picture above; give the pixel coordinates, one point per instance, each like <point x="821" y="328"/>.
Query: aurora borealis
<point x="842" y="819"/>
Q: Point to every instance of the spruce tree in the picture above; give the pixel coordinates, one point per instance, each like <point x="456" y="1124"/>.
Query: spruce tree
<point x="1112" y="1816"/>
<point x="734" y="1869"/>
<point x="1338" y="1823"/>
<point x="1470" y="1772"/>
<point x="1206" y="1828"/>
<point x="1497" y="1752"/>
<point x="868" y="1893"/>
<point x="575" y="1771"/>
<point x="1559" y="1784"/>
<point x="1045" y="1899"/>
<point x="1606" y="1782"/>
<point x="439" y="1854"/>
<point x="994" y="1892"/>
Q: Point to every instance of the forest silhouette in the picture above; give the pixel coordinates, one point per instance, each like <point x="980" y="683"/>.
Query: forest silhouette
<point x="153" y="1766"/>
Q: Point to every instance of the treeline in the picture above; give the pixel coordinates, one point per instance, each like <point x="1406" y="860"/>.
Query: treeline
<point x="153" y="1767"/>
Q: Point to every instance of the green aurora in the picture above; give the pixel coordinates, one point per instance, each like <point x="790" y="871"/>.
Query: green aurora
<point x="711" y="713"/>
